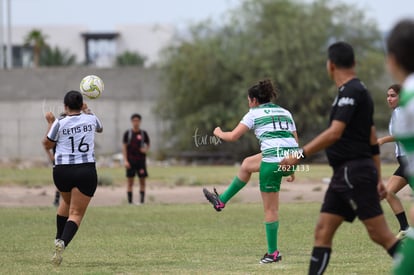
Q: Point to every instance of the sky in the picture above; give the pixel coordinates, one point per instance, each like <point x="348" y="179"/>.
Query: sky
<point x="105" y="15"/>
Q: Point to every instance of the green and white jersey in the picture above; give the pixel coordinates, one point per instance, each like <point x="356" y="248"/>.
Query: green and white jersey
<point x="273" y="127"/>
<point x="403" y="128"/>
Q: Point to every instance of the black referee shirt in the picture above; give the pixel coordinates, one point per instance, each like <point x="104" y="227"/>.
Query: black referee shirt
<point x="354" y="106"/>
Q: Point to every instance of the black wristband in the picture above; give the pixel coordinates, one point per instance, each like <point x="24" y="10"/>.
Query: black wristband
<point x="375" y="150"/>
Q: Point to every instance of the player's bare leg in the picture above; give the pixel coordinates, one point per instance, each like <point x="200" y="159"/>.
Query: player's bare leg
<point x="324" y="233"/>
<point x="381" y="234"/>
<point x="394" y="185"/>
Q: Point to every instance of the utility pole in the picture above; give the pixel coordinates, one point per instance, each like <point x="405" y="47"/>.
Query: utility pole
<point x="9" y="60"/>
<point x="1" y="36"/>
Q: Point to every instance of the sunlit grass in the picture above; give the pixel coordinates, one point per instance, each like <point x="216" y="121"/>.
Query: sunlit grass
<point x="180" y="239"/>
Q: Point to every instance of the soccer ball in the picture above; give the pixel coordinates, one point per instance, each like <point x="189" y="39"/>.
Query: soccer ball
<point x="91" y="86"/>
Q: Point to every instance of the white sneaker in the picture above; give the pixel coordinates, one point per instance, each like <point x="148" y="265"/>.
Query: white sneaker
<point x="59" y="248"/>
<point x="401" y="235"/>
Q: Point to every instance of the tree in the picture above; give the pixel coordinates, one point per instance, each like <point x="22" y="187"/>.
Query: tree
<point x="207" y="73"/>
<point x="128" y="58"/>
<point x="56" y="57"/>
<point x="37" y="41"/>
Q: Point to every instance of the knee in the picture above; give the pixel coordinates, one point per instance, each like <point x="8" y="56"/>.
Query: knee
<point x="381" y="237"/>
<point x="244" y="166"/>
<point x="322" y="235"/>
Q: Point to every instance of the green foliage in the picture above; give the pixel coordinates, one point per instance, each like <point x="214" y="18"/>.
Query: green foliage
<point x="188" y="238"/>
<point x="128" y="58"/>
<point x="207" y="73"/>
<point x="56" y="57"/>
<point x="37" y="41"/>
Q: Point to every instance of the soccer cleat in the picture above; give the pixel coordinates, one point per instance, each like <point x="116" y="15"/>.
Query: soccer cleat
<point x="214" y="199"/>
<point x="57" y="257"/>
<point x="271" y="258"/>
<point x="402" y="234"/>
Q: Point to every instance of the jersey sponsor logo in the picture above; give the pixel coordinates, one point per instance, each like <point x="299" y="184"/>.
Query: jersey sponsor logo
<point x="346" y="101"/>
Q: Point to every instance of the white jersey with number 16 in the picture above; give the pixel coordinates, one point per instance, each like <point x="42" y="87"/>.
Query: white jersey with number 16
<point x="75" y="138"/>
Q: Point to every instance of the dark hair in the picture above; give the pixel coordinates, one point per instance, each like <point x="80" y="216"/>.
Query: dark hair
<point x="136" y="116"/>
<point x="396" y="88"/>
<point x="342" y="55"/>
<point x="74" y="100"/>
<point x="400" y="44"/>
<point x="263" y="91"/>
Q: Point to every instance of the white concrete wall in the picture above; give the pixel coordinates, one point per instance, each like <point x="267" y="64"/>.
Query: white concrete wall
<point x="25" y="94"/>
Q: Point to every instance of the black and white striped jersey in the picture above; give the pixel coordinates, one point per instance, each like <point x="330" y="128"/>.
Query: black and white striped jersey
<point x="75" y="138"/>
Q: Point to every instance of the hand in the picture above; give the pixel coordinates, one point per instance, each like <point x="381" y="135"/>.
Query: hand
<point x="127" y="165"/>
<point x="85" y="109"/>
<point x="289" y="161"/>
<point x="144" y="149"/>
<point x="291" y="178"/>
<point x="50" y="117"/>
<point x="382" y="191"/>
<point x="217" y="132"/>
<point x="380" y="141"/>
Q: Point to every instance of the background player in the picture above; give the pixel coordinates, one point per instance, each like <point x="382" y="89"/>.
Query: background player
<point x="398" y="180"/>
<point x="400" y="60"/>
<point x="135" y="146"/>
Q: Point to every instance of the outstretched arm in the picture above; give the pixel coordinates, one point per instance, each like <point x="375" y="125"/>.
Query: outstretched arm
<point x="233" y="135"/>
<point x="322" y="141"/>
<point x="48" y="144"/>
<point x="382" y="191"/>
<point x="385" y="139"/>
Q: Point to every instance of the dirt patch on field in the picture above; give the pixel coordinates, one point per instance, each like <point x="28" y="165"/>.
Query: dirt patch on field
<point x="156" y="194"/>
<point x="11" y="196"/>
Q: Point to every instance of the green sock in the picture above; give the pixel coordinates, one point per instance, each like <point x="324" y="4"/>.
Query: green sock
<point x="403" y="263"/>
<point x="235" y="186"/>
<point x="271" y="236"/>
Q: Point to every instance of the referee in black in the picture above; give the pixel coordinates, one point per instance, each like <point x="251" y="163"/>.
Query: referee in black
<point x="351" y="146"/>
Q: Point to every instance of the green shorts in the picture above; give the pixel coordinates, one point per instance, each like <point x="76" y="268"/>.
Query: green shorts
<point x="271" y="176"/>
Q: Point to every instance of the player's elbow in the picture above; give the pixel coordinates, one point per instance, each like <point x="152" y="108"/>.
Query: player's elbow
<point x="47" y="144"/>
<point x="334" y="135"/>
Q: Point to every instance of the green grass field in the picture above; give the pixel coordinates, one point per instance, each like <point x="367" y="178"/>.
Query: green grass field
<point x="179" y="238"/>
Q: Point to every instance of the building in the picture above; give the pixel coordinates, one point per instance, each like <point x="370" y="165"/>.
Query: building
<point x="98" y="49"/>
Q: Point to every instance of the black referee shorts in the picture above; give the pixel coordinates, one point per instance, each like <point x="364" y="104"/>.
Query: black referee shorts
<point x="83" y="176"/>
<point x="353" y="191"/>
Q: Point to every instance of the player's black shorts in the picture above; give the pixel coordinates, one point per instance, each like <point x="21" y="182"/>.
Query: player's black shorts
<point x="401" y="170"/>
<point x="138" y="167"/>
<point x="83" y="176"/>
<point x="353" y="191"/>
